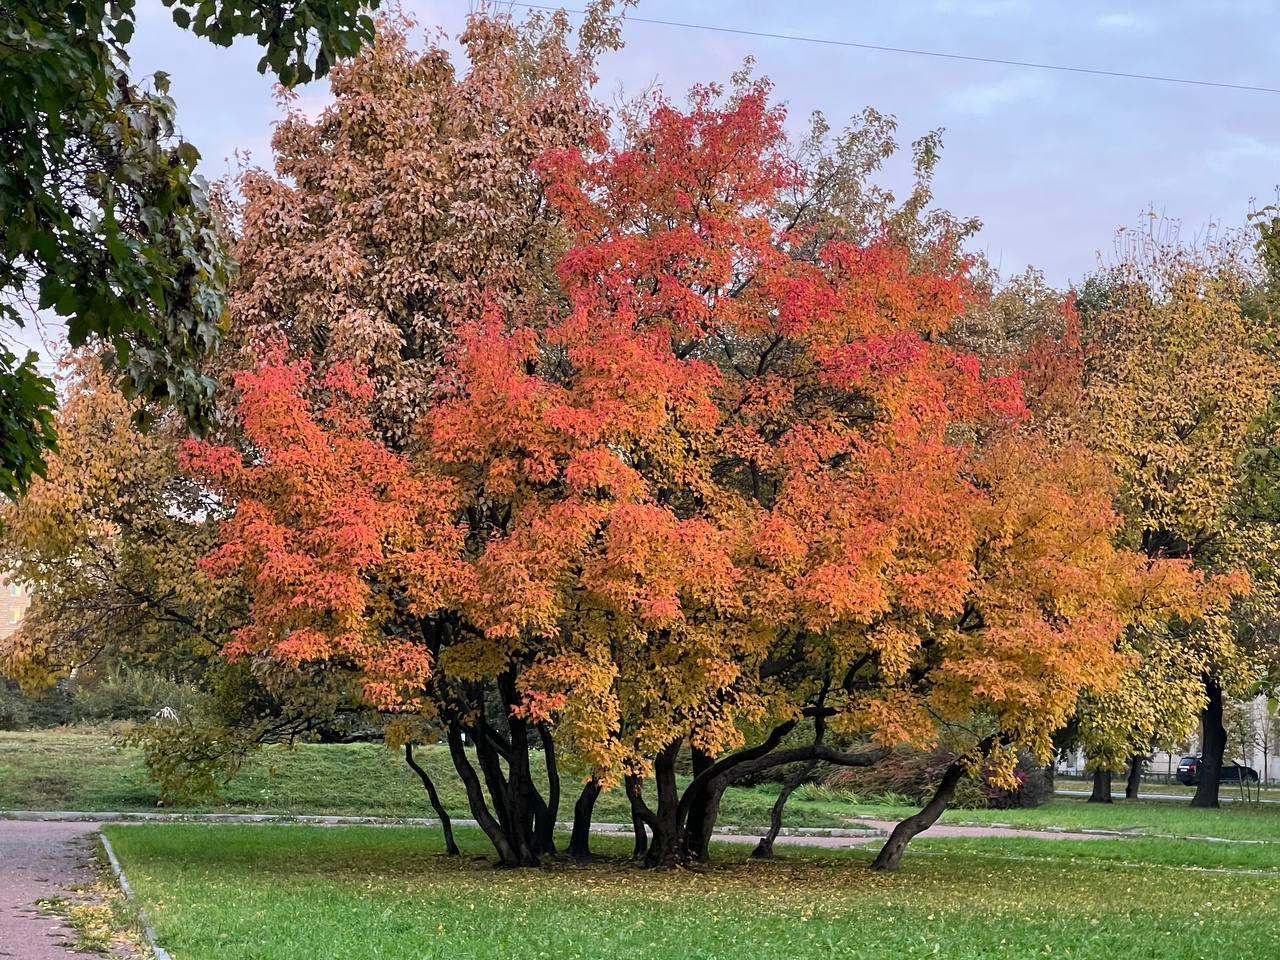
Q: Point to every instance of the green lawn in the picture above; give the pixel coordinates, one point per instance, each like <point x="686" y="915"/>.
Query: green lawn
<point x="84" y="771"/>
<point x="1158" y="817"/>
<point x="359" y="893"/>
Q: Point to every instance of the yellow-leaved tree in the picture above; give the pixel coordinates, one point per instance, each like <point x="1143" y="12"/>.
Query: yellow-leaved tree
<point x="1178" y="379"/>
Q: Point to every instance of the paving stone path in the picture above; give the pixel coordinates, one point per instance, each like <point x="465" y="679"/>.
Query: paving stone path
<point x="39" y="859"/>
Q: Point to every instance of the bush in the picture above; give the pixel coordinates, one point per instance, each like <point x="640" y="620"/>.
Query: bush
<point x="913" y="775"/>
<point x="15" y="708"/>
<point x="22" y="711"/>
<point x="1035" y="786"/>
<point x="905" y="772"/>
<point x="132" y="695"/>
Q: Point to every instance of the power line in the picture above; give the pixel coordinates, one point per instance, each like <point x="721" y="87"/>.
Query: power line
<point x="936" y="54"/>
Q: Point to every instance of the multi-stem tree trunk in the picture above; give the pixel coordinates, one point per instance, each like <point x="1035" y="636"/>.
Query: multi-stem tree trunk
<point x="546" y="813"/>
<point x="580" y="838"/>
<point x="1101" y="787"/>
<point x="515" y="817"/>
<point x="1133" y="782"/>
<point x="694" y="816"/>
<point x="446" y="826"/>
<point x="890" y="854"/>
<point x="697" y="835"/>
<point x="475" y="799"/>
<point x="1213" y="744"/>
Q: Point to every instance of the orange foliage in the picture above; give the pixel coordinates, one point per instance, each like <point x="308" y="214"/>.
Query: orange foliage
<point x="733" y="479"/>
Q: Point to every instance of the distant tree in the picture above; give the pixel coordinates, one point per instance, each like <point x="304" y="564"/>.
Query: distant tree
<point x="103" y="219"/>
<point x="1180" y="378"/>
<point x="107" y="544"/>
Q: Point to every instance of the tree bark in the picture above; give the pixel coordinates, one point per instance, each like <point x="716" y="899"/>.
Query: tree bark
<point x="446" y="826"/>
<point x="890" y="854"/>
<point x="1213" y="745"/>
<point x="491" y="770"/>
<point x="522" y="797"/>
<point x="764" y="849"/>
<point x="545" y="825"/>
<point x="641" y="815"/>
<point x="665" y="824"/>
<point x="700" y="760"/>
<point x="475" y="799"/>
<point x="1133" y="782"/>
<point x="1101" y="787"/>
<point x="580" y="838"/>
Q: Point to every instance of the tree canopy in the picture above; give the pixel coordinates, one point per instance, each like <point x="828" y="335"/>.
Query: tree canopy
<point x="104" y="221"/>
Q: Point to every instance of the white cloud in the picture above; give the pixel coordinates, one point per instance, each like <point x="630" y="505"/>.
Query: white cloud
<point x="1243" y="151"/>
<point x="1120" y="21"/>
<point x="984" y="99"/>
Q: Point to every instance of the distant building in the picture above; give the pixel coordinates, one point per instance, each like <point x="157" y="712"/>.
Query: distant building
<point x="14" y="601"/>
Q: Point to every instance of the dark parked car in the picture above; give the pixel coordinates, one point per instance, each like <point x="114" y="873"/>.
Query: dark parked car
<point x="1189" y="772"/>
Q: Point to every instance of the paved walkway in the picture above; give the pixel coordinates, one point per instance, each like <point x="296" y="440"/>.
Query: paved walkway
<point x="39" y="859"/>
<point x="948" y="830"/>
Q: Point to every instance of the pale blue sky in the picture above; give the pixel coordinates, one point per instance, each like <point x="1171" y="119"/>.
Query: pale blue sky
<point x="1052" y="163"/>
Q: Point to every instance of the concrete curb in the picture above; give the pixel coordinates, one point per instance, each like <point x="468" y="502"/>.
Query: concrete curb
<point x="146" y="816"/>
<point x="148" y="931"/>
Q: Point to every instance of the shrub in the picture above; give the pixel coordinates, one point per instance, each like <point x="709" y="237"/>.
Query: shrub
<point x="15" y="707"/>
<point x="132" y="695"/>
<point x="23" y="711"/>
<point x="913" y="775"/>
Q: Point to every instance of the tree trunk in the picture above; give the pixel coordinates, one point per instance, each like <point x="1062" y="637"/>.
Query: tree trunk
<point x="700" y="760"/>
<point x="1101" y="787"/>
<point x="665" y="824"/>
<point x="764" y="849"/>
<point x="522" y="798"/>
<point x="1213" y="745"/>
<point x="475" y="799"/>
<point x="640" y="815"/>
<point x="1134" y="780"/>
<point x="580" y="838"/>
<point x="545" y="825"/>
<point x="446" y="826"/>
<point x="692" y="813"/>
<point x="697" y="834"/>
<point x="890" y="854"/>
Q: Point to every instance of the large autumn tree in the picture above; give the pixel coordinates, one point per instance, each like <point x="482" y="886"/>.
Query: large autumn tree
<point x="712" y="475"/>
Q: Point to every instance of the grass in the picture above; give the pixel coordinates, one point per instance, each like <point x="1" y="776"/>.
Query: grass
<point x="86" y="771"/>
<point x="1156" y="817"/>
<point x="296" y="892"/>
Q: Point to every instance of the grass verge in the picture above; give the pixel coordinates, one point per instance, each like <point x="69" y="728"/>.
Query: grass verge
<point x="99" y="915"/>
<point x="295" y="893"/>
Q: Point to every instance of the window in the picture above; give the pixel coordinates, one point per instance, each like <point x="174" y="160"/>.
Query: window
<point x="15" y="615"/>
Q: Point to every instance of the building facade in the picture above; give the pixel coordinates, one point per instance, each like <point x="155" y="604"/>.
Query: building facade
<point x="14" y="601"/>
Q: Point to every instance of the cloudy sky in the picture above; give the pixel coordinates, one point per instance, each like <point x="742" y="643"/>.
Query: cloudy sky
<point x="1051" y="162"/>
